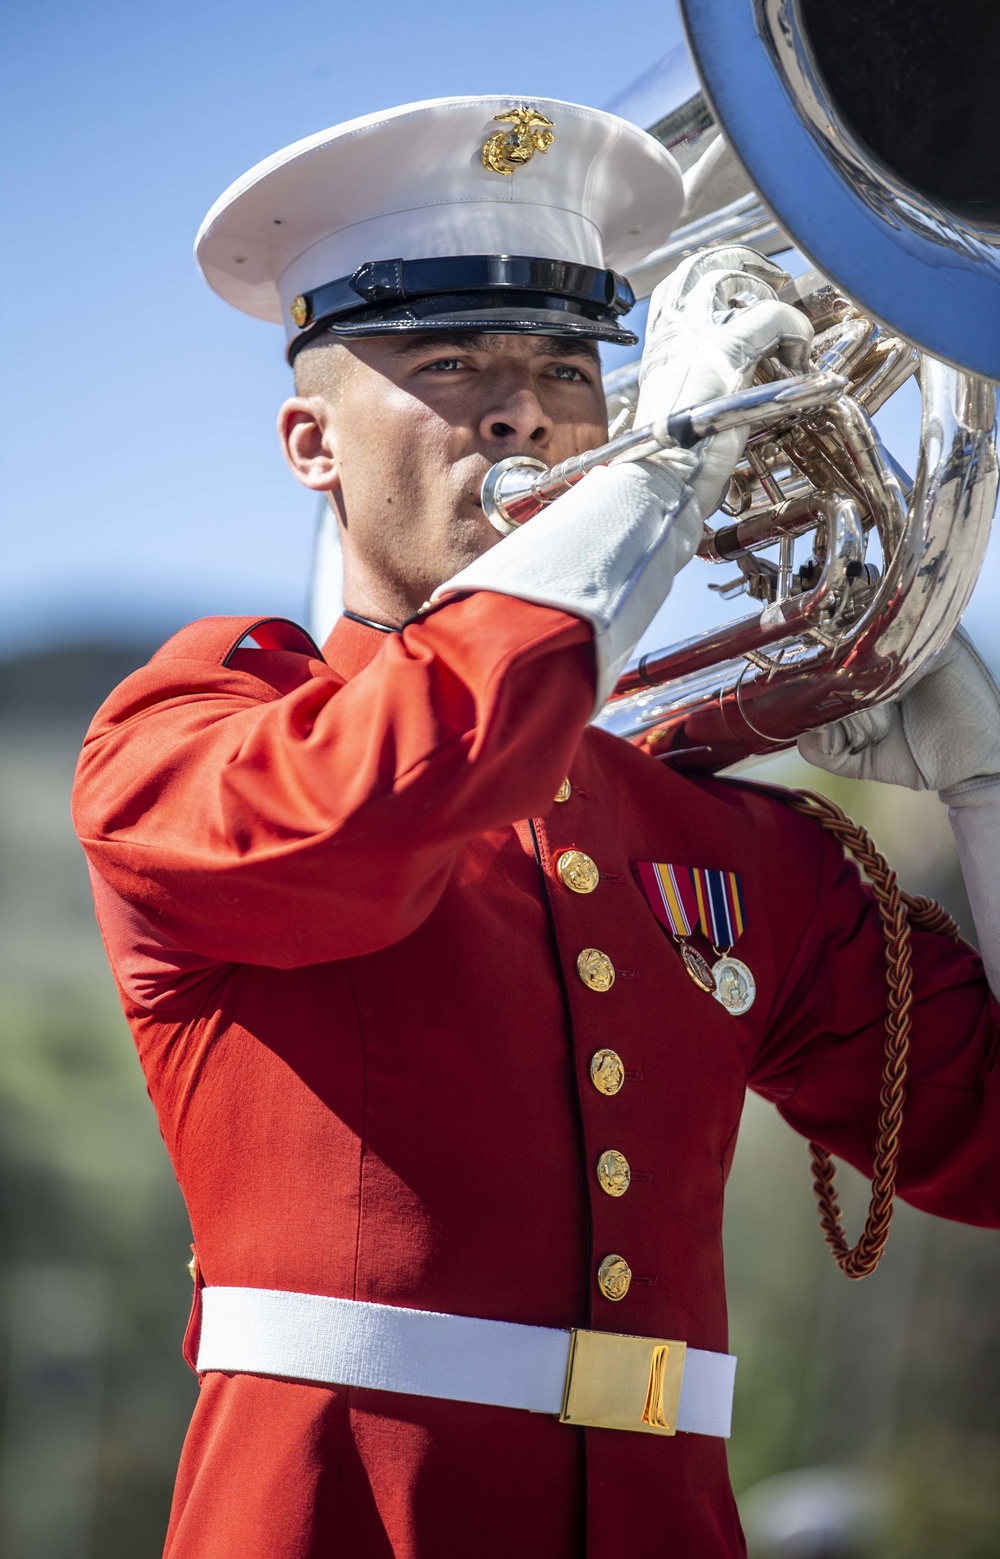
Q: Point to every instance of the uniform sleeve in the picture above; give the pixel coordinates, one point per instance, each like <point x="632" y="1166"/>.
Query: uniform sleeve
<point x="252" y="825"/>
<point x="822" y="1059"/>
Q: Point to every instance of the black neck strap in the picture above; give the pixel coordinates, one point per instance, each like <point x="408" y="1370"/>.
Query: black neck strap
<point x="367" y="622"/>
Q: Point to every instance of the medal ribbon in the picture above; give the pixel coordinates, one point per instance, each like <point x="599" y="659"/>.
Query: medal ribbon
<point x="689" y="898"/>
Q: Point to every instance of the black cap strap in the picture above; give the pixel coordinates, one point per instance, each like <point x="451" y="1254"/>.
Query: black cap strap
<point x="380" y="283"/>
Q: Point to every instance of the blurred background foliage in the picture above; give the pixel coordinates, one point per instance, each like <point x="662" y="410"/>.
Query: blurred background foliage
<point x="93" y="1287"/>
<point x="898" y="1375"/>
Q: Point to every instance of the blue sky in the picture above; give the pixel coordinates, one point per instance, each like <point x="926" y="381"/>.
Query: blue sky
<point x="141" y="479"/>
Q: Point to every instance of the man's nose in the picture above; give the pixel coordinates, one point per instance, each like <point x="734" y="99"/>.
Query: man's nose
<point x="515" y="416"/>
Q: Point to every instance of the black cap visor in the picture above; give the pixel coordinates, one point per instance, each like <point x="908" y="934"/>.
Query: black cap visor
<point x="489" y="316"/>
<point x="583" y="302"/>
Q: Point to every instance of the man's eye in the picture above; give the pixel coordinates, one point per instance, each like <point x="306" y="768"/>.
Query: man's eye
<point x="567" y="371"/>
<point x="445" y="365"/>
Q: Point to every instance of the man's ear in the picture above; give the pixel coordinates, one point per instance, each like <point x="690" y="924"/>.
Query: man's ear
<point x="306" y="434"/>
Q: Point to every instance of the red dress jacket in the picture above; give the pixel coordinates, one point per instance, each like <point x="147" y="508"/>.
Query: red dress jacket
<point x="328" y="896"/>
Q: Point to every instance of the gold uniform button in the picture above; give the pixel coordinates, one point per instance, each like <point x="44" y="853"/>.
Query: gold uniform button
<point x="595" y="969"/>
<point x="606" y="1071"/>
<point x="564" y="792"/>
<point x="613" y="1277"/>
<point x="577" y="871"/>
<point x="613" y="1173"/>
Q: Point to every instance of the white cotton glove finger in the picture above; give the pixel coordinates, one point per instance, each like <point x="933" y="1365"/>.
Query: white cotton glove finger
<point x="694" y="363"/>
<point x="674" y="291"/>
<point x="606" y="551"/>
<point x="943" y="734"/>
<point x="699" y="346"/>
<point x="767" y="329"/>
<point x="692" y="359"/>
<point x="689" y="307"/>
<point x="718" y="340"/>
<point x="869" y="745"/>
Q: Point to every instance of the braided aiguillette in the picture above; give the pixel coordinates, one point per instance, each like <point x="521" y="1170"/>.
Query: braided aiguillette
<point x="898" y="910"/>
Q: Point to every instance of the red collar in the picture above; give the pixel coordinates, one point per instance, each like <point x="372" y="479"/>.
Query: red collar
<point x="352" y="646"/>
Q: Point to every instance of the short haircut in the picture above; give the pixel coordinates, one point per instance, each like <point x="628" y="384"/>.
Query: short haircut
<point x="319" y="368"/>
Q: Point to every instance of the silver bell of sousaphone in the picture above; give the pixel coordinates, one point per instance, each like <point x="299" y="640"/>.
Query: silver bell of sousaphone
<point x="873" y="153"/>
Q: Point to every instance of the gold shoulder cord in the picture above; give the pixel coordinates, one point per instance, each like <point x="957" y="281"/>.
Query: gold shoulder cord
<point x="897" y="910"/>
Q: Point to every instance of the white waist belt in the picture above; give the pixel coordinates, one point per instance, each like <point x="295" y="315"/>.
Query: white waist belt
<point x="647" y="1384"/>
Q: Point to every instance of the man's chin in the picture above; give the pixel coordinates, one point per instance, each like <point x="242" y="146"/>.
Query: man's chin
<point x="475" y="533"/>
<point x="471" y="537"/>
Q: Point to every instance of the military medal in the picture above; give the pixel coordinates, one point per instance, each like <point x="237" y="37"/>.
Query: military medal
<point x="686" y="899"/>
<point x="698" y="968"/>
<point x="735" y="986"/>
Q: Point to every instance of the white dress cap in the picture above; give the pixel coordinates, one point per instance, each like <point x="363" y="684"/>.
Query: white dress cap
<point x="462" y="176"/>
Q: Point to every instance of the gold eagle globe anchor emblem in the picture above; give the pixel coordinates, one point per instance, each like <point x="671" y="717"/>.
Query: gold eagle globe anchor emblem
<point x="509" y="149"/>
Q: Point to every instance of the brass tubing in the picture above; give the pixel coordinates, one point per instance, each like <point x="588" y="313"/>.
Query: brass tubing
<point x="783" y="620"/>
<point x="750" y="534"/>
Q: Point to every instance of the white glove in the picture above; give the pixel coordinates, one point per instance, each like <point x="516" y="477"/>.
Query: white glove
<point x="701" y="343"/>
<point x="943" y="735"/>
<point x="606" y="551"/>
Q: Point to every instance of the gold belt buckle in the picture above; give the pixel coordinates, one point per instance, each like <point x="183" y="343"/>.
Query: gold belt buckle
<point x="616" y="1382"/>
